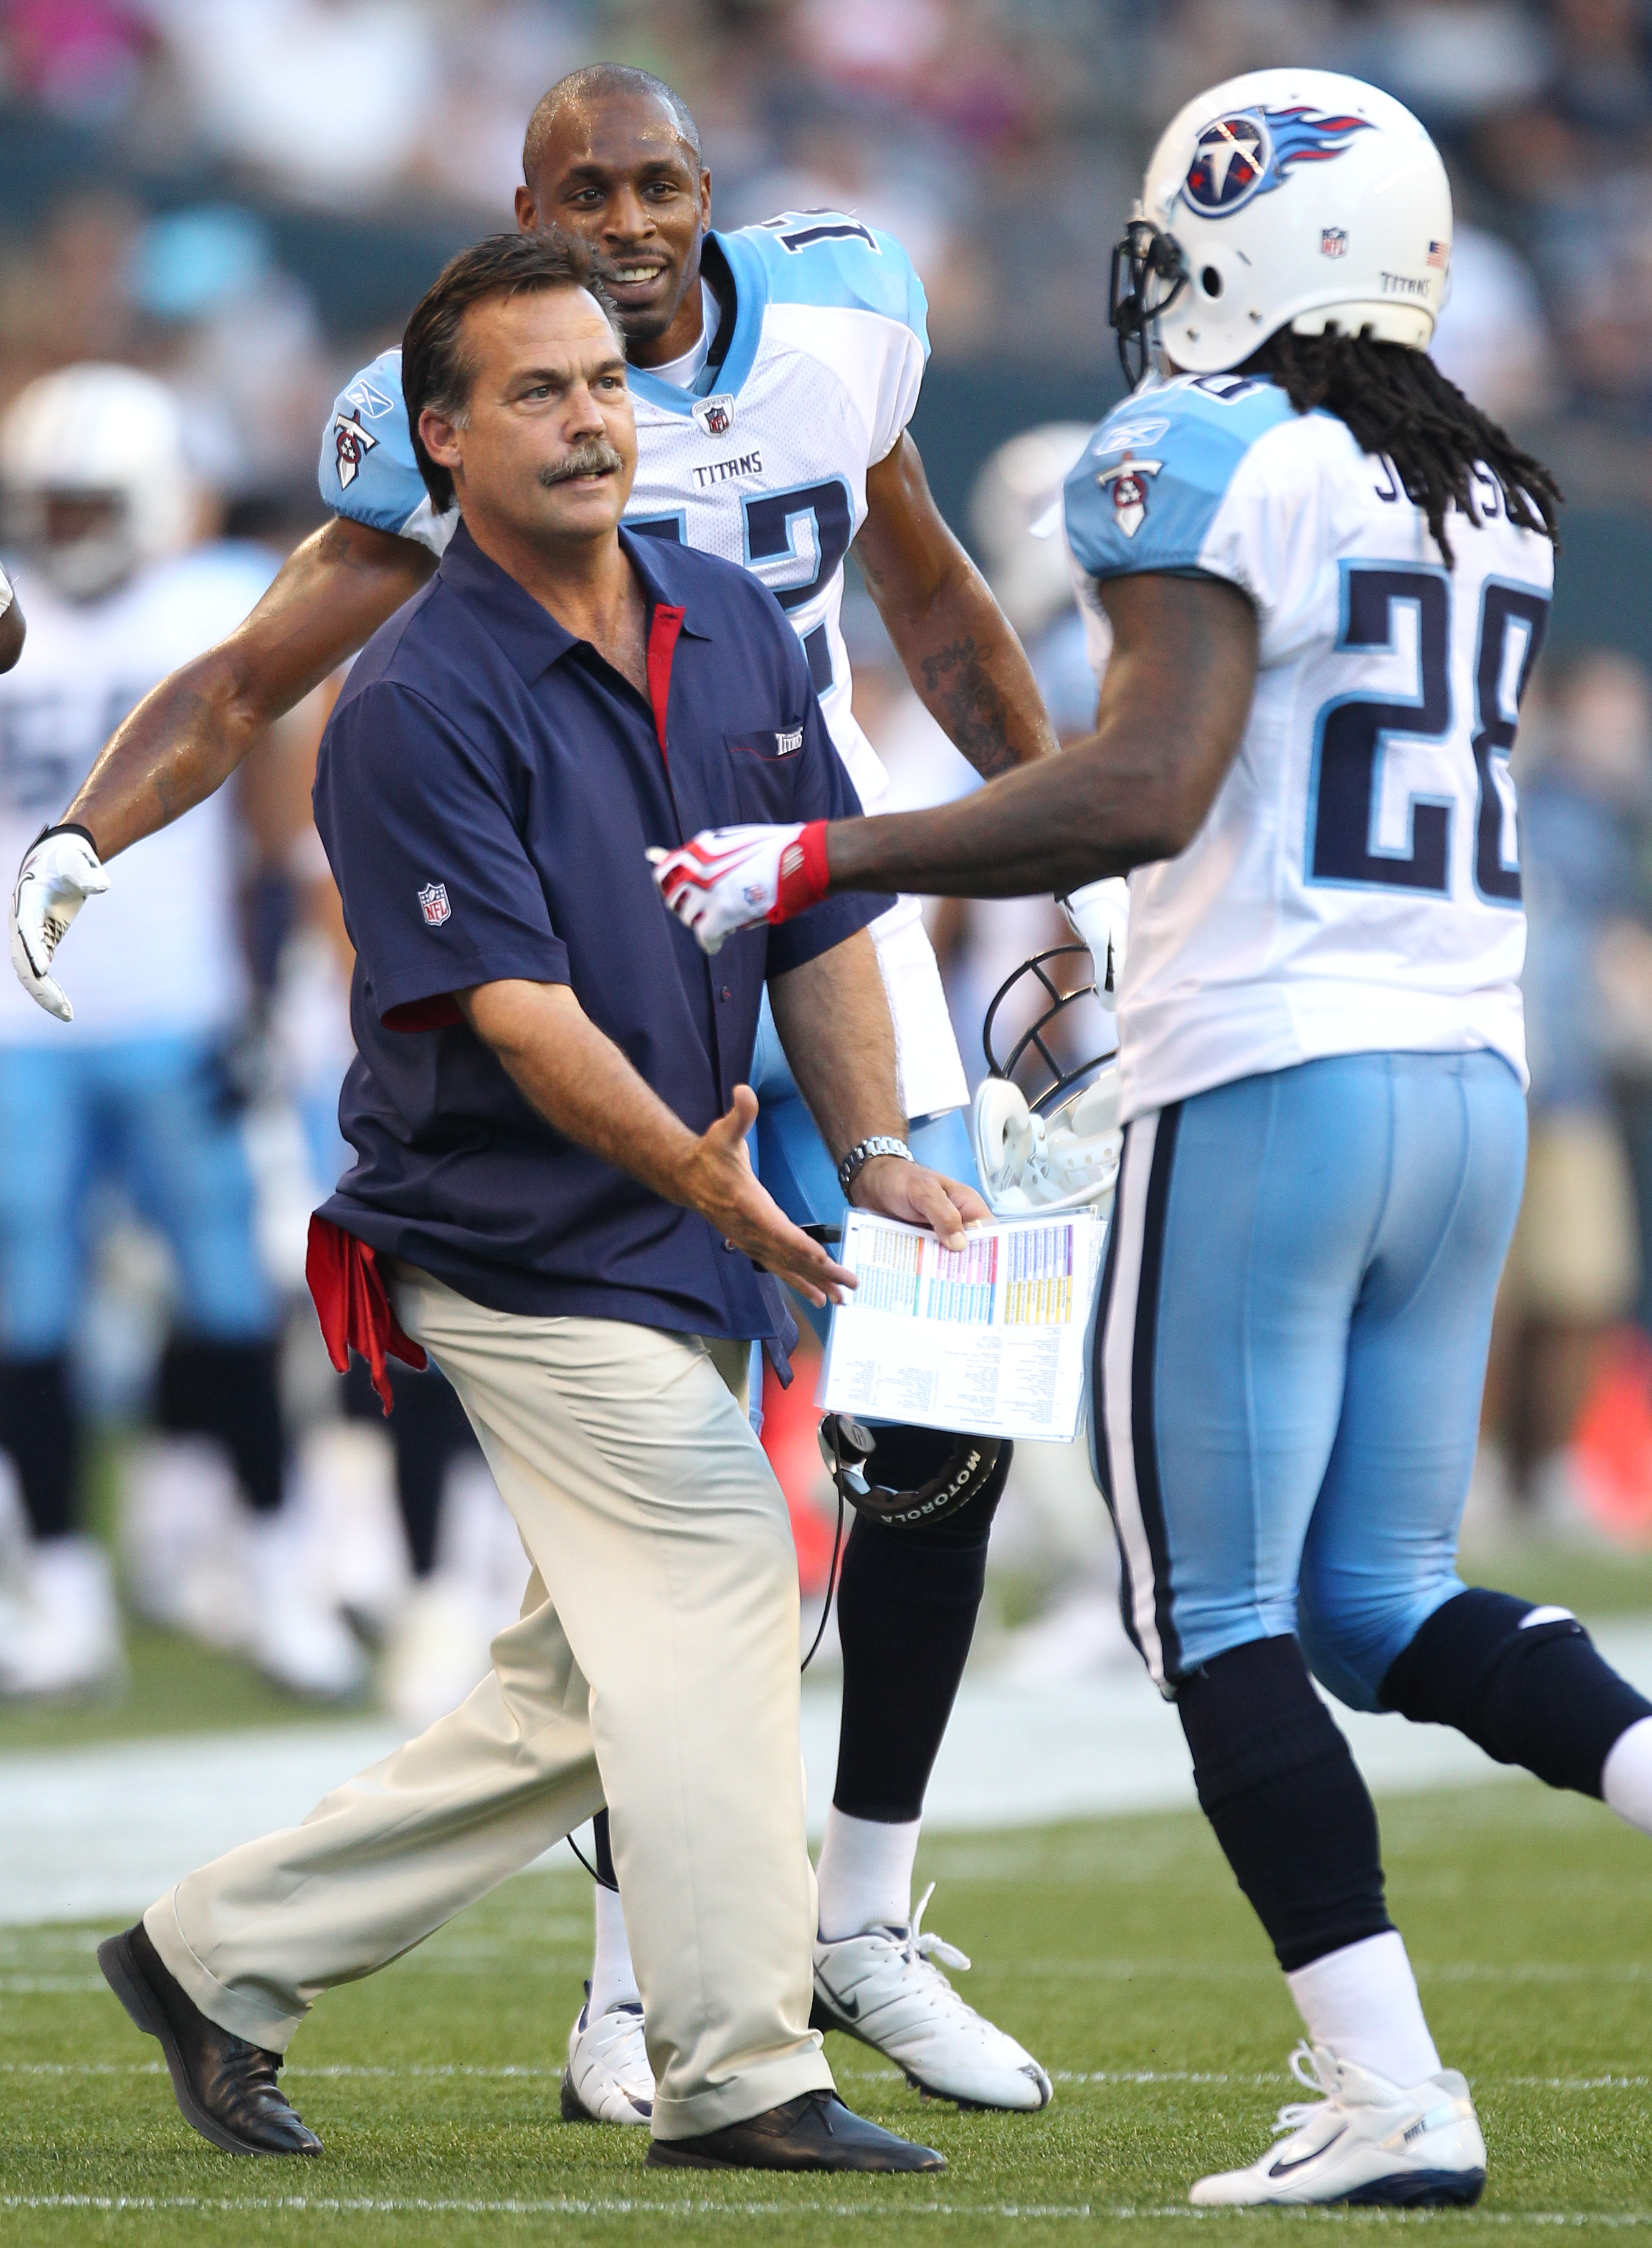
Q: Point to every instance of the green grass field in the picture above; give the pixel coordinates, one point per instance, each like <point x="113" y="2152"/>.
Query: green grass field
<point x="1120" y="1950"/>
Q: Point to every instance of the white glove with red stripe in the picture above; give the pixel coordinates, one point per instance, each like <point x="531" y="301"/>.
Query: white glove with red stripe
<point x="729" y="878"/>
<point x="56" y="877"/>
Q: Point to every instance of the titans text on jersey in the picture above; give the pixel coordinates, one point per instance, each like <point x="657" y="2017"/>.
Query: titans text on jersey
<point x="1356" y="884"/>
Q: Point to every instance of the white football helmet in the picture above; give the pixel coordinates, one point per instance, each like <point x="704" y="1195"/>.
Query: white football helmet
<point x="1015" y="506"/>
<point x="95" y="432"/>
<point x="1294" y="198"/>
<point x="1059" y="1149"/>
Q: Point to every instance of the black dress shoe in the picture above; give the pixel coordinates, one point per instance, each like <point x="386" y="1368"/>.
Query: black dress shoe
<point x="815" y="2132"/>
<point x="226" y="2087"/>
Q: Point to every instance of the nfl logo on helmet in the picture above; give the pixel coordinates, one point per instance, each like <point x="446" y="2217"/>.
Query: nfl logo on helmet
<point x="1334" y="242"/>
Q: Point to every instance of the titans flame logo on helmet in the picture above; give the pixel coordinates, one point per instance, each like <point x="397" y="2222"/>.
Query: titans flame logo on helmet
<point x="1248" y="153"/>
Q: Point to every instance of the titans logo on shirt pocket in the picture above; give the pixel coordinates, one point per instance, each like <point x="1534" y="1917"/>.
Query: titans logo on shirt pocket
<point x="763" y="763"/>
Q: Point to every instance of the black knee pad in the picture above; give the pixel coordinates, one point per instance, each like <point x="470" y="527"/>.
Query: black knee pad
<point x="1286" y="1801"/>
<point x="1531" y="1694"/>
<point x="906" y="1605"/>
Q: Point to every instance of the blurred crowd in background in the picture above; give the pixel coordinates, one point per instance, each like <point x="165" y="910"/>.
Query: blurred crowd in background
<point x="240" y="200"/>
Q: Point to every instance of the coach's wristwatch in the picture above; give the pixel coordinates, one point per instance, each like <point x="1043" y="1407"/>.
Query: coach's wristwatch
<point x="857" y="1159"/>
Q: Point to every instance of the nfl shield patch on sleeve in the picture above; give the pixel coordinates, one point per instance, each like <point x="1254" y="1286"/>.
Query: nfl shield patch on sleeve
<point x="433" y="900"/>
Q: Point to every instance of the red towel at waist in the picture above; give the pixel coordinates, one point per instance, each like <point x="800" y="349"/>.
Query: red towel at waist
<point x="353" y="1306"/>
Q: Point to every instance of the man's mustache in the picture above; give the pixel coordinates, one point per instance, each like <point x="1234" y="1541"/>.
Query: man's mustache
<point x="593" y="458"/>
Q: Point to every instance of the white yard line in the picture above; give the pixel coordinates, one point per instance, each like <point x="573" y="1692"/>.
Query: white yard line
<point x="511" y="2072"/>
<point x="96" y="1833"/>
<point x="898" y="2209"/>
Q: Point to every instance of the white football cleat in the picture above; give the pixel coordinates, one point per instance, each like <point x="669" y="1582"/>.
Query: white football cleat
<point x="1367" y="2141"/>
<point x="63" y="1634"/>
<point x="607" y="2079"/>
<point x="883" y="1987"/>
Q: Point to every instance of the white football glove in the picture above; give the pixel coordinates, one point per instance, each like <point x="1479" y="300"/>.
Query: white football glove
<point x="1099" y="915"/>
<point x="729" y="878"/>
<point x="54" y="881"/>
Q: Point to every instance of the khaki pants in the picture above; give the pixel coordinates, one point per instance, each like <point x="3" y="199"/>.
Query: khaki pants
<point x="655" y="1665"/>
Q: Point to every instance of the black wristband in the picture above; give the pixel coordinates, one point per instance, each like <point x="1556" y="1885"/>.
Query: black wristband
<point x="69" y="827"/>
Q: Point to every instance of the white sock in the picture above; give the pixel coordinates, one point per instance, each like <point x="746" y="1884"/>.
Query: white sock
<point x="866" y="1874"/>
<point x="613" y="1979"/>
<point x="1363" y="2002"/>
<point x="1626" y="1777"/>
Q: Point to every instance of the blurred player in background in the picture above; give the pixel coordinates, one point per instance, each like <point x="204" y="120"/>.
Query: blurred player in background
<point x="12" y="628"/>
<point x="135" y="1090"/>
<point x="774" y="371"/>
<point x="1325" y="577"/>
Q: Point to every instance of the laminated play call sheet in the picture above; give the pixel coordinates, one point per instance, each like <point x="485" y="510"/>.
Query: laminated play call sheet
<point x="988" y="1338"/>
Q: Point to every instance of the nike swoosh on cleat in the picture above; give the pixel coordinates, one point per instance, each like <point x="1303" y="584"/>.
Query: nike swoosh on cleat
<point x="849" y="2008"/>
<point x="1283" y="2170"/>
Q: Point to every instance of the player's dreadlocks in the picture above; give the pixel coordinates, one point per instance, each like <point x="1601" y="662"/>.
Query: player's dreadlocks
<point x="1397" y="403"/>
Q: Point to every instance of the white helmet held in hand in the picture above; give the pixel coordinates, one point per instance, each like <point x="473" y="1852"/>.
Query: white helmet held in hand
<point x="1283" y="198"/>
<point x="111" y="438"/>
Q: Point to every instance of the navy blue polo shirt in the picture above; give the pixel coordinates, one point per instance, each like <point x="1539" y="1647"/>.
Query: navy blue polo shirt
<point x="488" y="788"/>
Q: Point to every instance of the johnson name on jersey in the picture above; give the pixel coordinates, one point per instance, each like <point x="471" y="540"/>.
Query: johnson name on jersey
<point x="763" y="459"/>
<point x="1356" y="883"/>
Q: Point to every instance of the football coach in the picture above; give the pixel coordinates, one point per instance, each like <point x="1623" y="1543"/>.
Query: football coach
<point x="552" y="1197"/>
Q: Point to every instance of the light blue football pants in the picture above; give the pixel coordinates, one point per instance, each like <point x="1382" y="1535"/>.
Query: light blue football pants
<point x="1290" y="1353"/>
<point x="154" y="1114"/>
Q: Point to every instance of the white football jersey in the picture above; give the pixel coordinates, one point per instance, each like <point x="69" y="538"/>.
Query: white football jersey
<point x="762" y="459"/>
<point x="1355" y="886"/>
<point x="160" y="953"/>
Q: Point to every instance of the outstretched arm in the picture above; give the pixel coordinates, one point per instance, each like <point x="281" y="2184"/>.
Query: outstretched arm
<point x="1172" y="713"/>
<point x="955" y="641"/>
<point x="581" y="1082"/>
<point x="189" y="735"/>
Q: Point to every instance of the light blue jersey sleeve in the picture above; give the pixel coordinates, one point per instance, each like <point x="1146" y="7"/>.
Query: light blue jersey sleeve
<point x="835" y="260"/>
<point x="1147" y="486"/>
<point x="368" y="470"/>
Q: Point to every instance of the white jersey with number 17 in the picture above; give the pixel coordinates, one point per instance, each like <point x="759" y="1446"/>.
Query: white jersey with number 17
<point x="1355" y="886"/>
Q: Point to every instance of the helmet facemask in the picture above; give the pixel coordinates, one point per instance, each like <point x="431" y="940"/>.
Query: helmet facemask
<point x="1148" y="274"/>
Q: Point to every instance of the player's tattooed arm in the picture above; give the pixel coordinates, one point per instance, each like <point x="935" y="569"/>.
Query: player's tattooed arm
<point x="955" y="642"/>
<point x="1172" y="713"/>
<point x="189" y="735"/>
